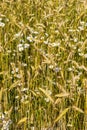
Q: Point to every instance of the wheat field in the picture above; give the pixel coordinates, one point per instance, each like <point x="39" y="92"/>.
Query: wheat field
<point x="43" y="65"/>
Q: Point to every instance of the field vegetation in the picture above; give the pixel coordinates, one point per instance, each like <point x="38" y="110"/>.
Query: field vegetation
<point x="43" y="65"/>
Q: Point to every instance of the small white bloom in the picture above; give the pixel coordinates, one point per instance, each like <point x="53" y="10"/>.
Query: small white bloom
<point x="82" y="22"/>
<point x="47" y="99"/>
<point x="16" y="97"/>
<point x="45" y="42"/>
<point x="55" y="44"/>
<point x="56" y="31"/>
<point x="24" y="98"/>
<point x="26" y="45"/>
<point x="13" y="54"/>
<point x="0" y="19"/>
<point x="70" y="69"/>
<point x="30" y="38"/>
<point x="79" y="50"/>
<point x="81" y="54"/>
<point x="18" y="76"/>
<point x="2" y="24"/>
<point x="24" y="89"/>
<point x="16" y="70"/>
<point x="6" y="124"/>
<point x="20" y="84"/>
<point x="12" y="72"/>
<point x="81" y="28"/>
<point x="20" y="47"/>
<point x="51" y="66"/>
<point x="85" y="55"/>
<point x="75" y="39"/>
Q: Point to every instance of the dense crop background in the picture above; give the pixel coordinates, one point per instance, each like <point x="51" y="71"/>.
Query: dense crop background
<point x="43" y="65"/>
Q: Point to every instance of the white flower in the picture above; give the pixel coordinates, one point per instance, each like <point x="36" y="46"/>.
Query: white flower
<point x="75" y="39"/>
<point x="82" y="22"/>
<point x="0" y="19"/>
<point x="16" y="97"/>
<point x="70" y="69"/>
<point x="26" y="45"/>
<point x="2" y="24"/>
<point x="81" y="54"/>
<point x="6" y="124"/>
<point x="47" y="99"/>
<point x="16" y="70"/>
<point x="24" y="97"/>
<point x="30" y="38"/>
<point x="51" y="66"/>
<point x="55" y="44"/>
<point x="81" y="28"/>
<point x="24" y="89"/>
<point x="45" y="42"/>
<point x="18" y="76"/>
<point x="12" y="72"/>
<point x="85" y="55"/>
<point x="20" y="47"/>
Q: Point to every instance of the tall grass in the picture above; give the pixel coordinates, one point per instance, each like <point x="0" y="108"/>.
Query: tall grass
<point x="43" y="65"/>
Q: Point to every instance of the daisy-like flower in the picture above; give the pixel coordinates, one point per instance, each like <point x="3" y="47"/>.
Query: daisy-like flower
<point x="30" y="38"/>
<point x="26" y="45"/>
<point x="2" y="24"/>
<point x="20" y="47"/>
